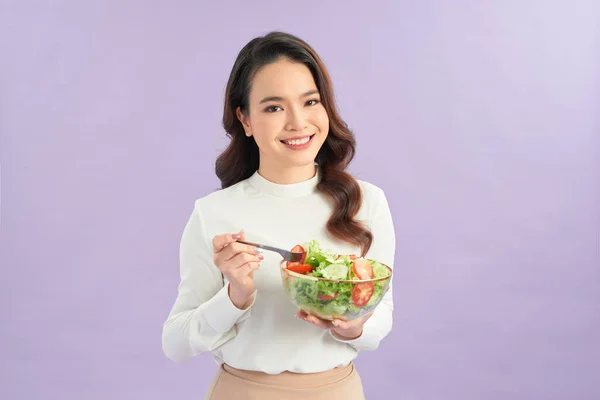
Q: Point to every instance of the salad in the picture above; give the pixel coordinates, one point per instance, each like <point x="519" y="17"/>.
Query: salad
<point x="328" y="290"/>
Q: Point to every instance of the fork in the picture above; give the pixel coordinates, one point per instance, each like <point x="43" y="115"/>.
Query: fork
<point x="291" y="256"/>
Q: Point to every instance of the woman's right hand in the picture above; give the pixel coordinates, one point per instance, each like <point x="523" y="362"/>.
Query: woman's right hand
<point x="237" y="262"/>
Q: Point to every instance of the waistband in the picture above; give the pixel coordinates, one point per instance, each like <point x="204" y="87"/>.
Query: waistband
<point x="293" y="379"/>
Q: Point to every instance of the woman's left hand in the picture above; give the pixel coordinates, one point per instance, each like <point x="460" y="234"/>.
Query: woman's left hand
<point x="345" y="330"/>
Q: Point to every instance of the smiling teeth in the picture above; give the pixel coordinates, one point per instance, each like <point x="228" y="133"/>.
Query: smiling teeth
<point x="298" y="142"/>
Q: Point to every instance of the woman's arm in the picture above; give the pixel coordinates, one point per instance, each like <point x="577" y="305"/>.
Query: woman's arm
<point x="383" y="250"/>
<point x="203" y="317"/>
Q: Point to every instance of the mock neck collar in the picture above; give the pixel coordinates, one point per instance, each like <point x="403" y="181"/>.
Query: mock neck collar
<point x="299" y="189"/>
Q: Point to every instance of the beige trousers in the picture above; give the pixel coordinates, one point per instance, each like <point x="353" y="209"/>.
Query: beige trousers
<point x="234" y="384"/>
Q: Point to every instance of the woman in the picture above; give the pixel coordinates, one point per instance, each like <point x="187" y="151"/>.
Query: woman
<point x="283" y="183"/>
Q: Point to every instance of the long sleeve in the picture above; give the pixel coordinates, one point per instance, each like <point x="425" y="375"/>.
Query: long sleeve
<point x="203" y="317"/>
<point x="383" y="250"/>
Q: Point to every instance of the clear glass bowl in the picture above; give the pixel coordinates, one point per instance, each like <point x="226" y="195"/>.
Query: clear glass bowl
<point x="334" y="299"/>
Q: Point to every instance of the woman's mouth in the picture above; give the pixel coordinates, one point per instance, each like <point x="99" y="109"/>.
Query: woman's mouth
<point x="298" y="143"/>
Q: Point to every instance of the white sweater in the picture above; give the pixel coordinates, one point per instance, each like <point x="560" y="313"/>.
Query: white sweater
<point x="266" y="336"/>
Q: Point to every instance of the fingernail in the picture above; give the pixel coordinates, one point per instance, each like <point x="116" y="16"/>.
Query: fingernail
<point x="261" y="257"/>
<point x="334" y="323"/>
<point x="236" y="236"/>
<point x="258" y="250"/>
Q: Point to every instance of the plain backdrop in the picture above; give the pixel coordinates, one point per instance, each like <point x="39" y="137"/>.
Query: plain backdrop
<point x="480" y="120"/>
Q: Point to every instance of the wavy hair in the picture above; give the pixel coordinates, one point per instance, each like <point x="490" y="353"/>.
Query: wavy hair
<point x="241" y="157"/>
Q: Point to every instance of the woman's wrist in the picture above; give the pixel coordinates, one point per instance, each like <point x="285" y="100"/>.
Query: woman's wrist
<point x="239" y="299"/>
<point x="347" y="334"/>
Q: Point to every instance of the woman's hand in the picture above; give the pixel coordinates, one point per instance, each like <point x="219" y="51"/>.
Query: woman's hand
<point x="237" y="262"/>
<point x="345" y="330"/>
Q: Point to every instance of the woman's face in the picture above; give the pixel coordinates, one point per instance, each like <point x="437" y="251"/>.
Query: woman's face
<point x="285" y="116"/>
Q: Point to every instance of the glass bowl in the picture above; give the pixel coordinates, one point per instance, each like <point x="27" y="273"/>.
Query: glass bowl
<point x="331" y="299"/>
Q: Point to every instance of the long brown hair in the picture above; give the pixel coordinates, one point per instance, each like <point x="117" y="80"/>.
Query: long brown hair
<point x="241" y="158"/>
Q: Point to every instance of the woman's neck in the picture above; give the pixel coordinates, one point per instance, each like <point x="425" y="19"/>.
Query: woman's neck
<point x="289" y="175"/>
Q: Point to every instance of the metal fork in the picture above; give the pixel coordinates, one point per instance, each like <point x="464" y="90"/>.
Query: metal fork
<point x="291" y="256"/>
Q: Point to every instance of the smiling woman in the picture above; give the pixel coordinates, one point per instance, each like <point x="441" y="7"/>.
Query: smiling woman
<point x="286" y="118"/>
<point x="287" y="157"/>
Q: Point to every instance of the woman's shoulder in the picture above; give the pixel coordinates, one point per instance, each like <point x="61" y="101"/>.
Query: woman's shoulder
<point x="371" y="192"/>
<point x="374" y="200"/>
<point x="220" y="197"/>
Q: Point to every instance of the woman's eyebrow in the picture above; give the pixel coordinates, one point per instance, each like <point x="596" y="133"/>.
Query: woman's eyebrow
<point x="279" y="98"/>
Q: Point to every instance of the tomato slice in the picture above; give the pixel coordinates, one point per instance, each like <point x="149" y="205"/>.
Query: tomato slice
<point x="326" y="297"/>
<point x="300" y="268"/>
<point x="351" y="256"/>
<point x="362" y="292"/>
<point x="362" y="269"/>
<point x="297" y="249"/>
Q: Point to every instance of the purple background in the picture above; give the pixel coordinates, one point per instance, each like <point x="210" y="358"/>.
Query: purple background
<point x="480" y="119"/>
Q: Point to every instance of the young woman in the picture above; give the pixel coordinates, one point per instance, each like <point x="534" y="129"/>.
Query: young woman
<point x="283" y="183"/>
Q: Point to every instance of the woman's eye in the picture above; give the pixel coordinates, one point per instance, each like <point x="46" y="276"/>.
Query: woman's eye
<point x="272" y="109"/>
<point x="312" y="102"/>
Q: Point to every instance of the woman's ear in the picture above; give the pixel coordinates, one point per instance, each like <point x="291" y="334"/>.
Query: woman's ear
<point x="244" y="120"/>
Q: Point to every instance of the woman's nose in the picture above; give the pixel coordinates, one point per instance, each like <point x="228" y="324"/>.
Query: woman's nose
<point x="296" y="120"/>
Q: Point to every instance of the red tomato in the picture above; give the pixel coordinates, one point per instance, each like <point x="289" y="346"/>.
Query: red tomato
<point x="297" y="249"/>
<point x="362" y="269"/>
<point x="300" y="268"/>
<point x="326" y="297"/>
<point x="362" y="292"/>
